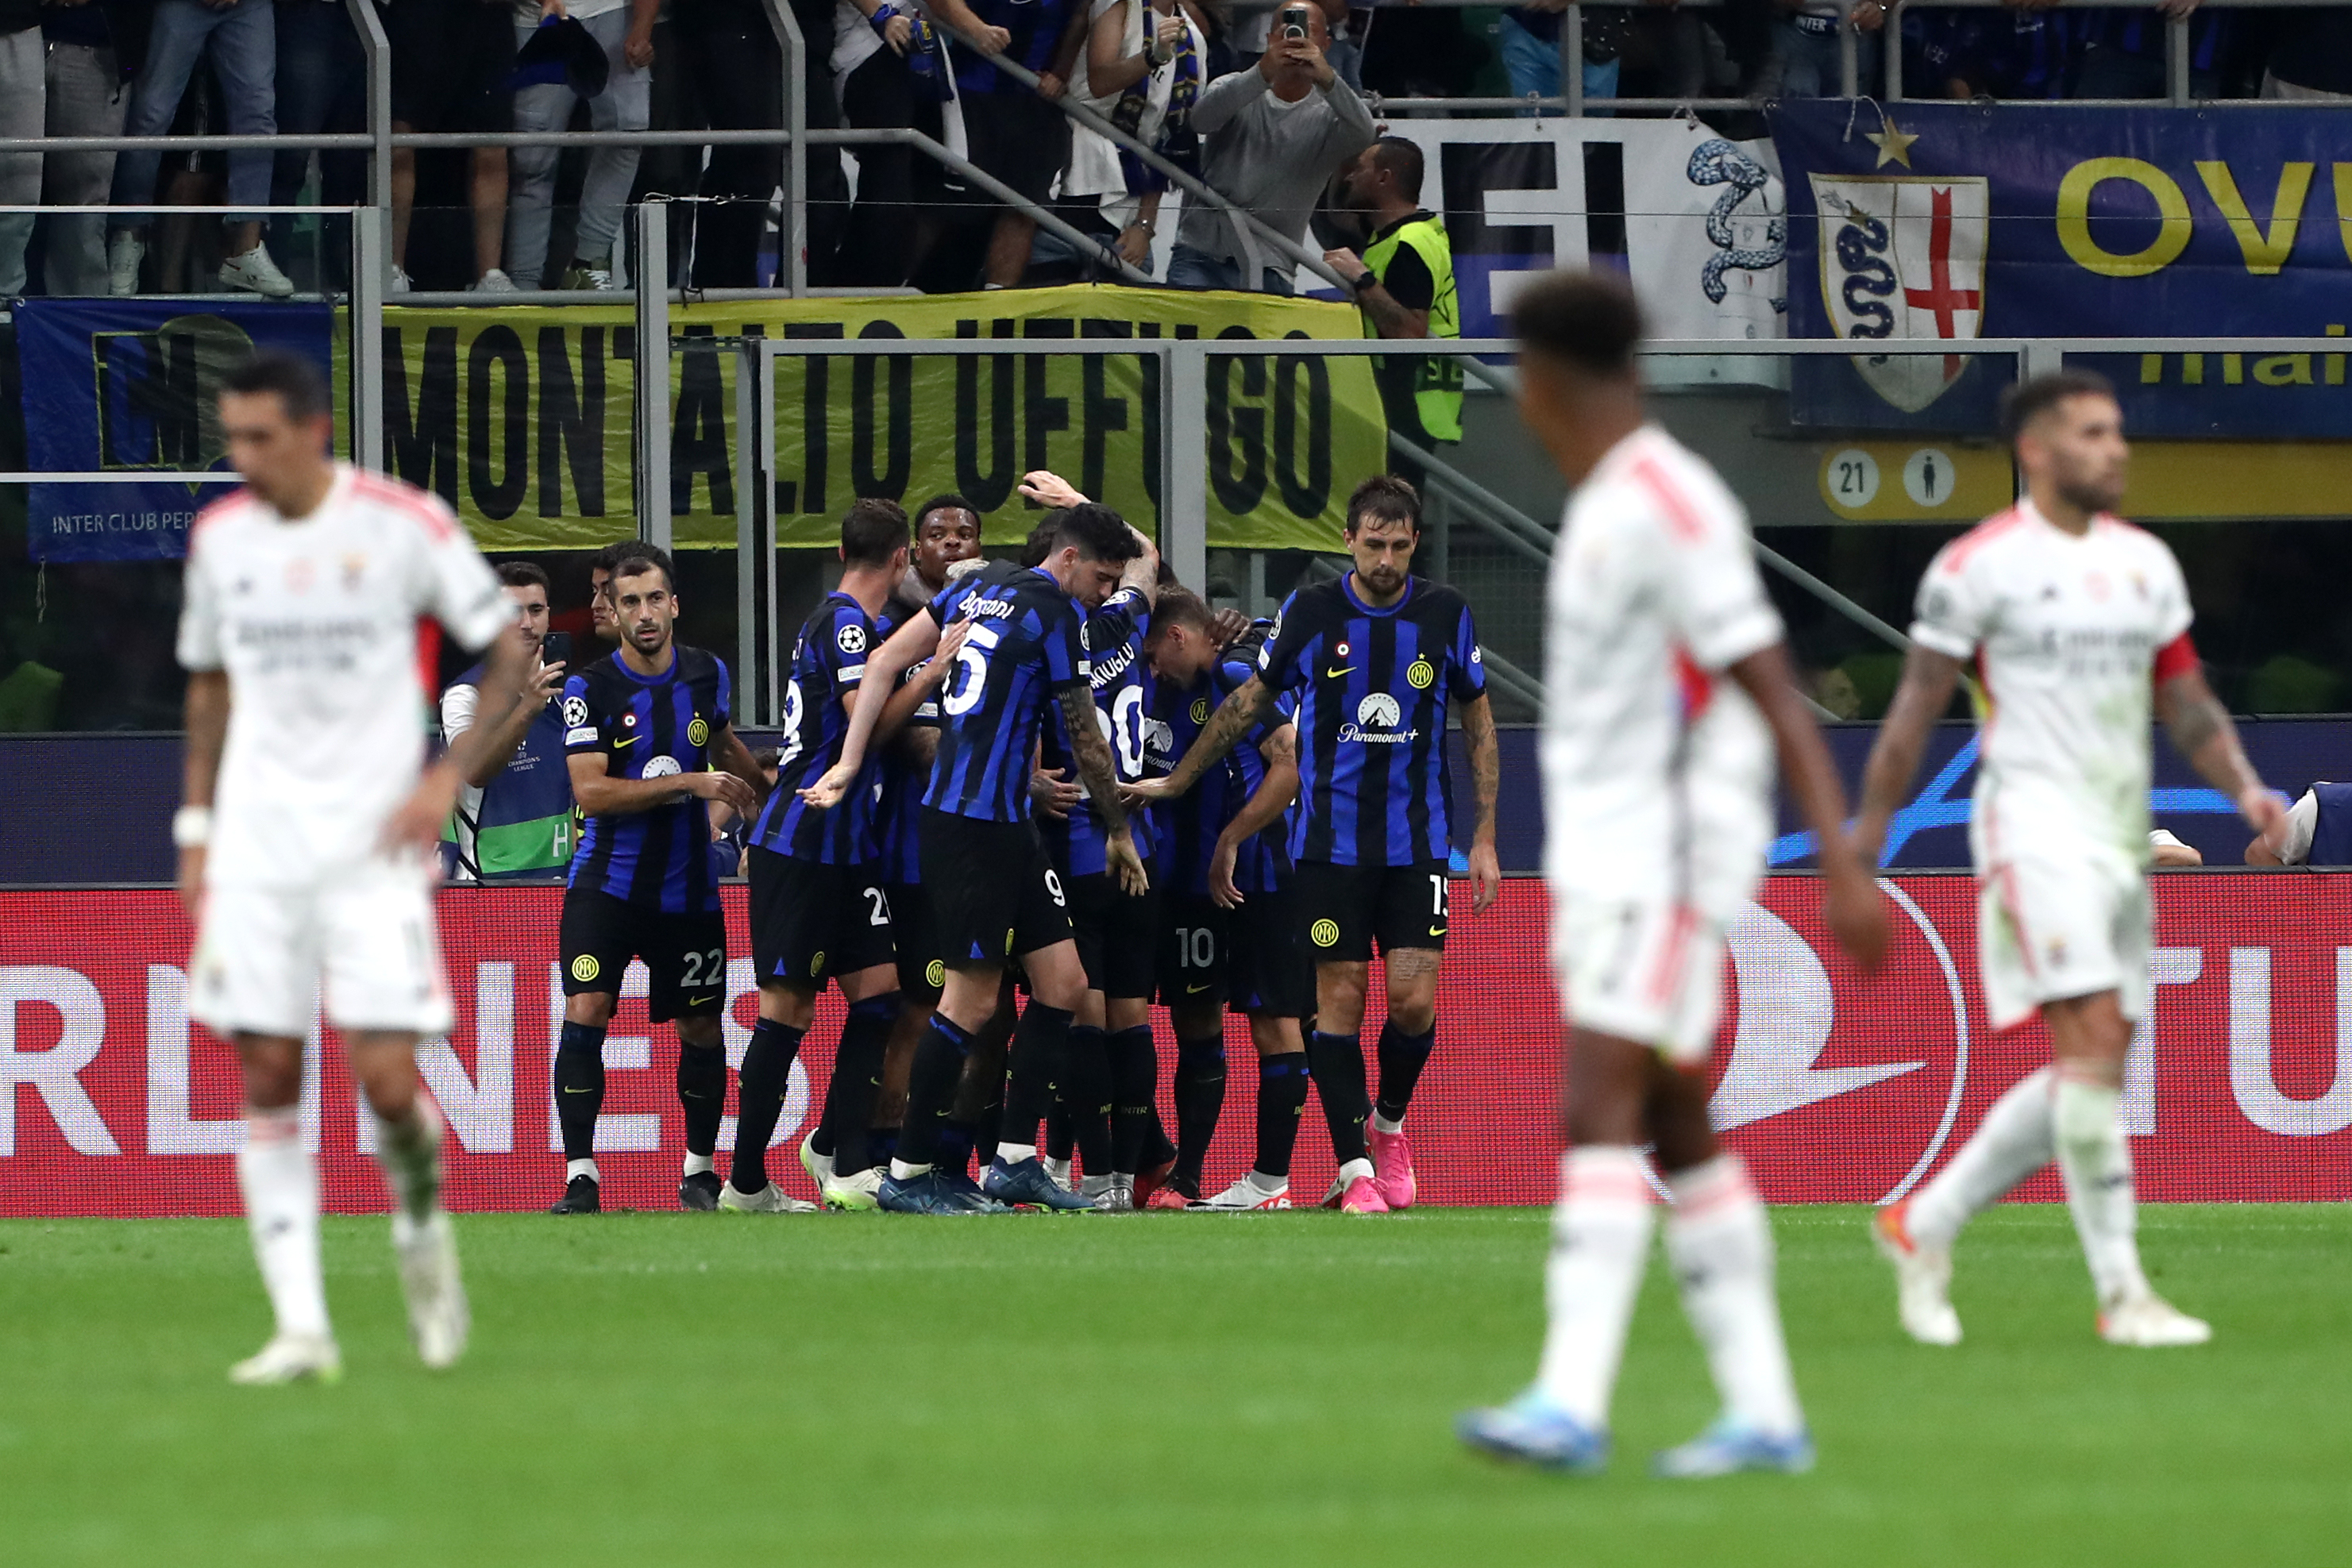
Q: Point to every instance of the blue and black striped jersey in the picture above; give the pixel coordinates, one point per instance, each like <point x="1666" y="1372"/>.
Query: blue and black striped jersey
<point x="1371" y="687"/>
<point x="650" y="726"/>
<point x="1112" y="639"/>
<point x="1194" y="820"/>
<point x="828" y="661"/>
<point x="905" y="768"/>
<point x="1023" y="649"/>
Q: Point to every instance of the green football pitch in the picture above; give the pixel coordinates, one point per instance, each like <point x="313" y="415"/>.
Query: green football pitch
<point x="1156" y="1389"/>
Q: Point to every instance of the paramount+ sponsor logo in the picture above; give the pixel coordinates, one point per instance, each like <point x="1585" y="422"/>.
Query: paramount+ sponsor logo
<point x="1376" y="721"/>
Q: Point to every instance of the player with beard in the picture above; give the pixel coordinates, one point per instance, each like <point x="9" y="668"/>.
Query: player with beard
<point x="2078" y="624"/>
<point x="1230" y="936"/>
<point x="817" y="904"/>
<point x="649" y="744"/>
<point x="1010" y="634"/>
<point x="1373" y="659"/>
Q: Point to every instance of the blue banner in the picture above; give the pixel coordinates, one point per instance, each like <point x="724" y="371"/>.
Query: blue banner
<point x="1931" y="221"/>
<point x="133" y="384"/>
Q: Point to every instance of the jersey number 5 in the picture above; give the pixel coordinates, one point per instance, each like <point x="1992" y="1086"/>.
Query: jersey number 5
<point x="970" y="676"/>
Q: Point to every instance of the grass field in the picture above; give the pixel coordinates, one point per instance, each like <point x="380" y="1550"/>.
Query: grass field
<point x="1159" y="1389"/>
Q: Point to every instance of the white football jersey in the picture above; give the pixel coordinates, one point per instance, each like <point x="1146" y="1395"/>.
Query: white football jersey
<point x="317" y="621"/>
<point x="2066" y="632"/>
<point x="1657" y="769"/>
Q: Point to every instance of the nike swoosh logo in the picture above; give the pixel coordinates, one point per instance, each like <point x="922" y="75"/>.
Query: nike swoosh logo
<point x="621" y="740"/>
<point x="1335" y="674"/>
<point x="569" y="1090"/>
<point x="1195" y="990"/>
<point x="1437" y="931"/>
<point x="698" y="1001"/>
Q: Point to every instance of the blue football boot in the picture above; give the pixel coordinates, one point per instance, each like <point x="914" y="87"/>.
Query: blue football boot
<point x="1534" y="1430"/>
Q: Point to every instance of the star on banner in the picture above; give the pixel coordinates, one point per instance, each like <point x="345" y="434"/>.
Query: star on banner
<point x="1893" y="145"/>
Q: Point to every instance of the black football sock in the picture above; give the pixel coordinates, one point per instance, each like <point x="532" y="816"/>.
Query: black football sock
<point x="702" y="1093"/>
<point x="881" y="1147"/>
<point x="1157" y="1150"/>
<point x="954" y="1154"/>
<point x="987" y="1132"/>
<point x="1034" y="1065"/>
<point x="856" y="1081"/>
<point x="579" y="1087"/>
<point x="1060" y="1134"/>
<point x="1086" y="1095"/>
<point x="931" y="1088"/>
<point x="1281" y="1100"/>
<point x="1337" y="1060"/>
<point x="1134" y="1084"/>
<point x="1199" y="1100"/>
<point x="1402" y="1056"/>
<point x="760" y="1100"/>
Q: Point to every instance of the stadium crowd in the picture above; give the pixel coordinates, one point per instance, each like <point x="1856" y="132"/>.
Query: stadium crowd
<point x="1211" y="88"/>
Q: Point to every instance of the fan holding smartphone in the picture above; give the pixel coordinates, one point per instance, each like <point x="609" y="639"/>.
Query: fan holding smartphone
<point x="513" y="821"/>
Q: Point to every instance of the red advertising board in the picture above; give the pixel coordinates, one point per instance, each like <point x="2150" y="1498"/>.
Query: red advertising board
<point x="1836" y="1088"/>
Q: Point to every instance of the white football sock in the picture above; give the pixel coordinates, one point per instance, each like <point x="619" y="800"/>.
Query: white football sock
<point x="696" y="1164"/>
<point x="2097" y="1163"/>
<point x="409" y="1150"/>
<point x="280" y="1184"/>
<point x="901" y="1171"/>
<point x="1720" y="1245"/>
<point x="1013" y="1153"/>
<point x="1600" y="1241"/>
<point x="1271" y="1186"/>
<point x="1385" y="1127"/>
<point x="2012" y="1143"/>
<point x="1355" y="1170"/>
<point x="582" y="1168"/>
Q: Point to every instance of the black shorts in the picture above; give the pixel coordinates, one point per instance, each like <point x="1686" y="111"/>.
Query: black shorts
<point x="995" y="892"/>
<point x="1117" y="934"/>
<point x="921" y="975"/>
<point x="1018" y="137"/>
<point x="450" y="61"/>
<point x="1345" y="909"/>
<point x="811" y="921"/>
<point x="685" y="954"/>
<point x="1267" y="968"/>
<point x="1195" y="955"/>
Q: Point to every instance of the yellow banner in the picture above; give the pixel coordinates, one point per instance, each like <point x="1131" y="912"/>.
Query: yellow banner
<point x="519" y="415"/>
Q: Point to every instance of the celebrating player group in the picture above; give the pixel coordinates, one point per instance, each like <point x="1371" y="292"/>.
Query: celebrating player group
<point x="1017" y="803"/>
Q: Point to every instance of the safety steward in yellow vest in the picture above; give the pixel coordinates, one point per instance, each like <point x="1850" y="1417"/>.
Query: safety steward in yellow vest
<point x="1404" y="283"/>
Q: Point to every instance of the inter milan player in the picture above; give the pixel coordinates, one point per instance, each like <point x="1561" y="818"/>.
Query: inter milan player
<point x="1372" y="659"/>
<point x="1230" y="933"/>
<point x="1668" y="689"/>
<point x="1010" y="634"/>
<point x="2079" y="623"/>
<point x="818" y="909"/>
<point x="309" y="815"/>
<point x="649" y="746"/>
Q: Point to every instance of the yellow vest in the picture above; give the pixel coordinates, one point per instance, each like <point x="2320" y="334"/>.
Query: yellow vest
<point x="1437" y="382"/>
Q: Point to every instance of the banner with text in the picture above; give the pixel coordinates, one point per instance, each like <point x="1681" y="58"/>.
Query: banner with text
<point x="2238" y="1087"/>
<point x="520" y="417"/>
<point x="132" y="384"/>
<point x="1955" y="222"/>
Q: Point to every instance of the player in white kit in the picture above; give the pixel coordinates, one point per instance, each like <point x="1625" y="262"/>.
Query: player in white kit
<point x="309" y="819"/>
<point x="1666" y="690"/>
<point x="2078" y="624"/>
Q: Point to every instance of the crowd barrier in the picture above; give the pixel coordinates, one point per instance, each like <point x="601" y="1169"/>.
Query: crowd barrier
<point x="1834" y="1088"/>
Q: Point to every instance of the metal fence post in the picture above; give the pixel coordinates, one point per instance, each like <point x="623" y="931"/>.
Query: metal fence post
<point x="653" y="413"/>
<point x="792" y="241"/>
<point x="748" y="366"/>
<point x="2176" y="58"/>
<point x="1184" y="468"/>
<point x="1571" y="60"/>
<point x="1849" y="51"/>
<point x="378" y="51"/>
<point x="371" y="243"/>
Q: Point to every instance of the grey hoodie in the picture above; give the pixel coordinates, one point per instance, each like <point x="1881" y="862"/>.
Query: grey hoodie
<point x="1269" y="158"/>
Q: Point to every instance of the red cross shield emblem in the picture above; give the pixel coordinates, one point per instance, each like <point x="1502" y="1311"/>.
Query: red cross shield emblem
<point x="1903" y="258"/>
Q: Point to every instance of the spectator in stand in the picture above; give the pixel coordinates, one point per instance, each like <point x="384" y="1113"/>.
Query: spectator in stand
<point x="730" y="50"/>
<point x="2311" y="54"/>
<point x="1273" y="137"/>
<point x="1014" y="134"/>
<point x="321" y="87"/>
<point x="2317" y="830"/>
<point x="2167" y="851"/>
<point x="2120" y="51"/>
<point x="239" y="37"/>
<point x="1251" y="30"/>
<point x="450" y="61"/>
<point x="2024" y="50"/>
<point x="1529" y="35"/>
<point x="1404" y="283"/>
<point x="1807" y="55"/>
<point x="892" y="69"/>
<point x="624" y="29"/>
<point x="513" y="821"/>
<point x="93" y="45"/>
<point x="24" y="102"/>
<point x="1143" y="70"/>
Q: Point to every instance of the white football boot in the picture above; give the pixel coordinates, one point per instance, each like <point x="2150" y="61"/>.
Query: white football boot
<point x="438" y="1318"/>
<point x="2149" y="1323"/>
<point x="1923" y="1276"/>
<point x="819" y="1167"/>
<point x="856" y="1192"/>
<point x="290" y="1358"/>
<point x="1245" y="1197"/>
<point x="769" y="1199"/>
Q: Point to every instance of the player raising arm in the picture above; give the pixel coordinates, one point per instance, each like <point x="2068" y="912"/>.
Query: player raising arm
<point x="2079" y="622"/>
<point x="306" y="827"/>
<point x="1667" y="692"/>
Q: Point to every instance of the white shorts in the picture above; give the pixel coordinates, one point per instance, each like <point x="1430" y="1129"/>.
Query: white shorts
<point x="263" y="952"/>
<point x="2048" y="929"/>
<point x="1647" y="971"/>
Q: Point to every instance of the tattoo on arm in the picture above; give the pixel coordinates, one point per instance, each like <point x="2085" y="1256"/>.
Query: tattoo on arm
<point x="1485" y="760"/>
<point x="1234" y="718"/>
<point x="1093" y="752"/>
<point x="2201" y="731"/>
